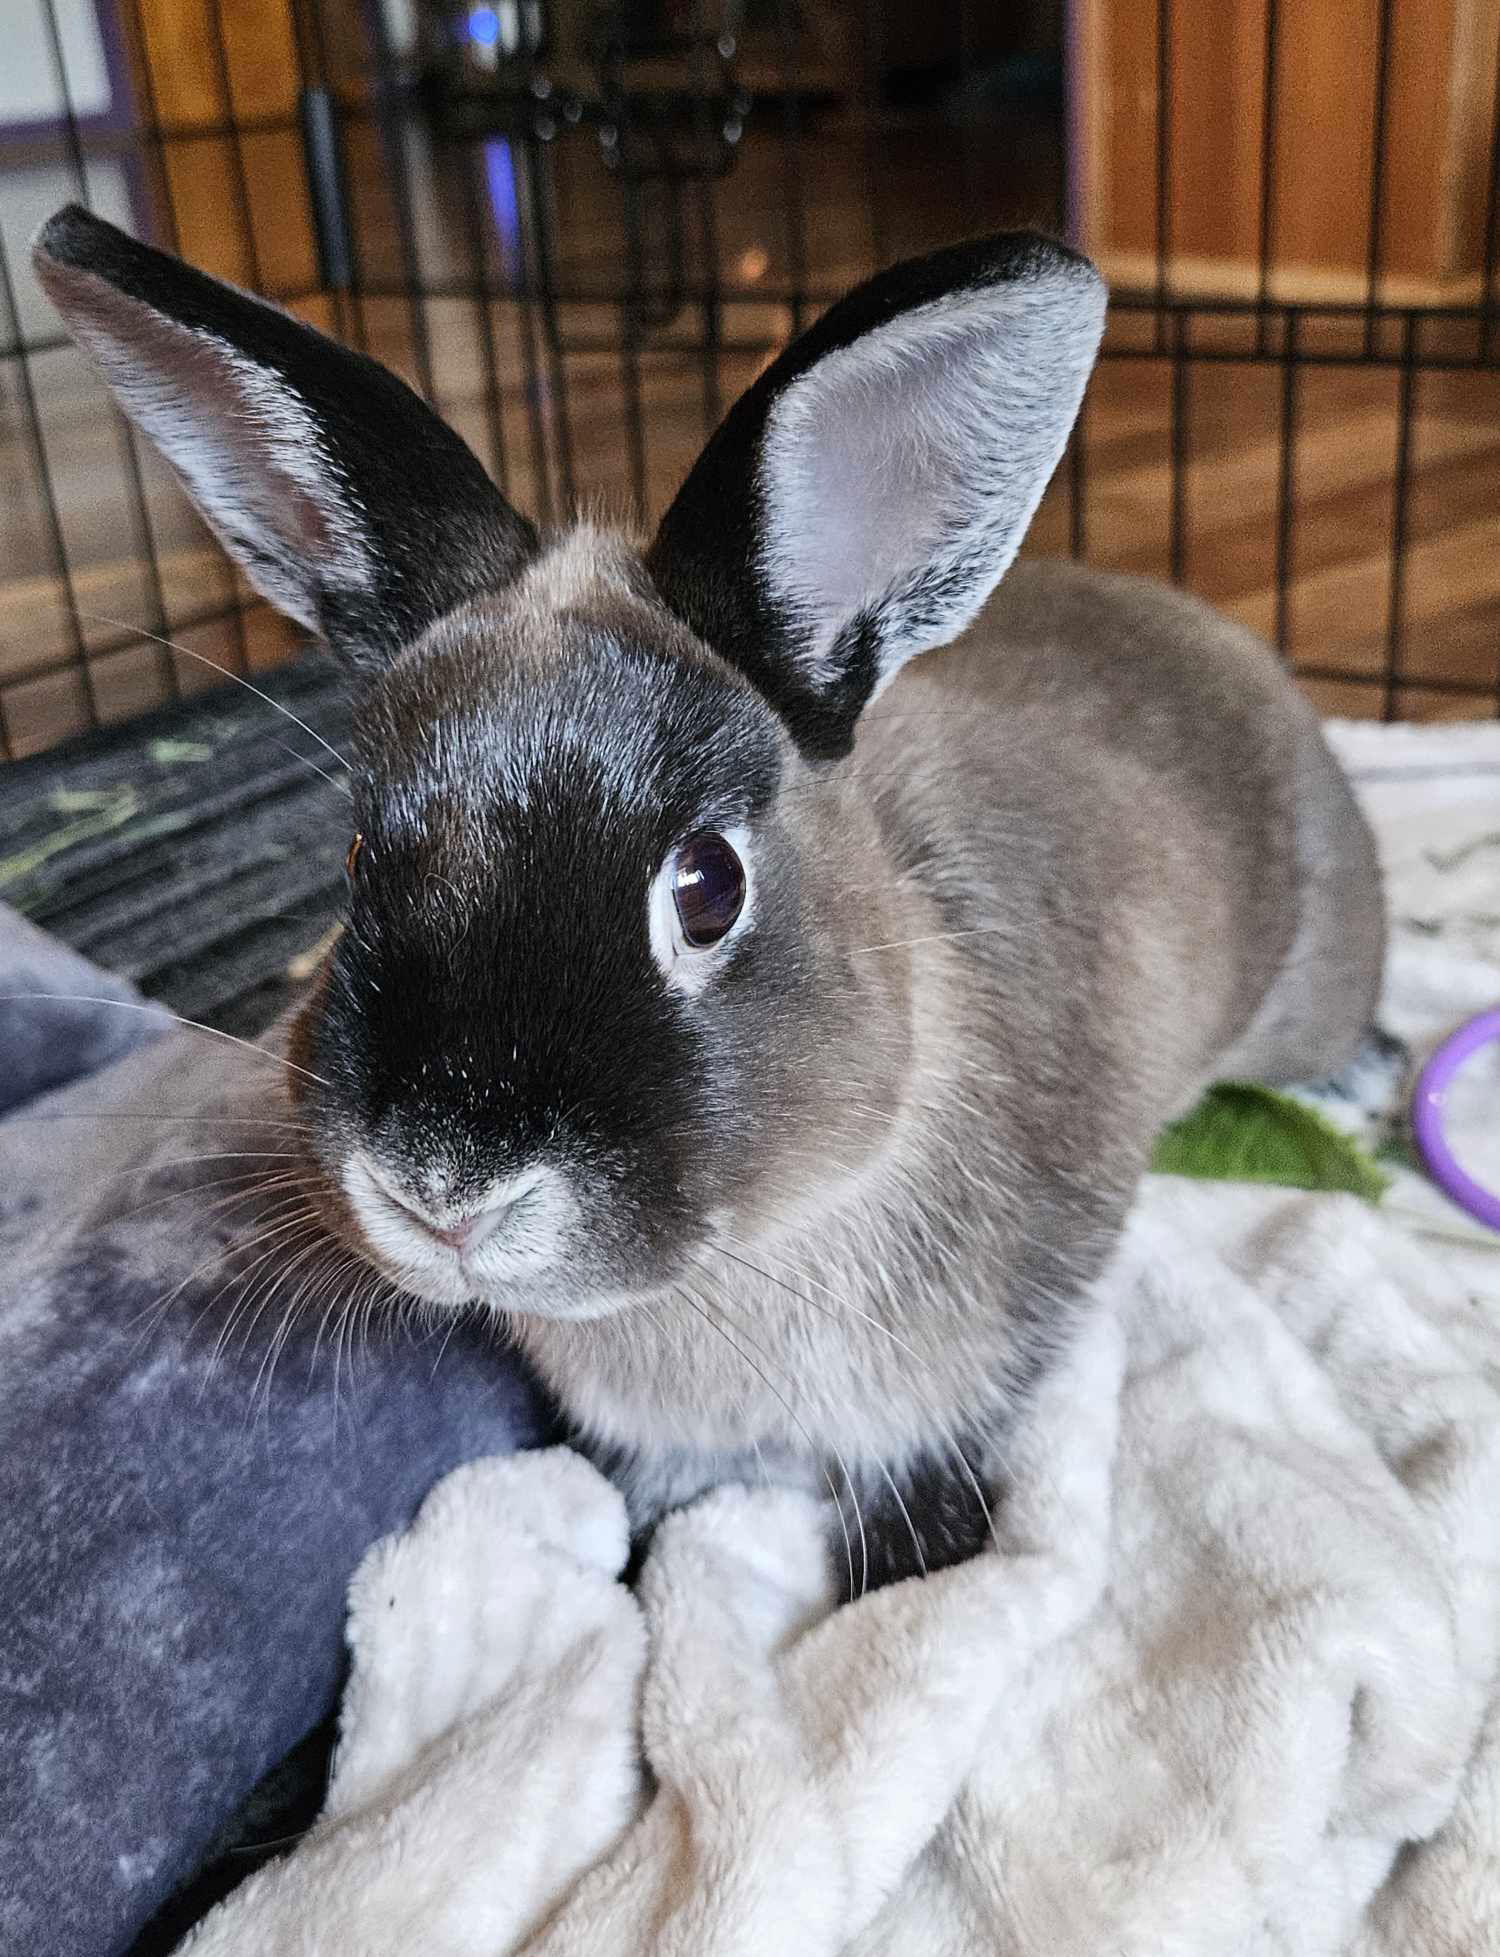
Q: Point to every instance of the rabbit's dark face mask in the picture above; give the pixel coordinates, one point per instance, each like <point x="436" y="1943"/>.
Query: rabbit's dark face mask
<point x="601" y="980"/>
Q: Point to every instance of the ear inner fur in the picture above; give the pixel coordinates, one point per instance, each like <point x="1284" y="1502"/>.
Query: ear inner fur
<point x="975" y="357"/>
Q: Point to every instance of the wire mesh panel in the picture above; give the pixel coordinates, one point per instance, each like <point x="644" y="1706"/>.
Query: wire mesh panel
<point x="1298" y="207"/>
<point x="581" y="229"/>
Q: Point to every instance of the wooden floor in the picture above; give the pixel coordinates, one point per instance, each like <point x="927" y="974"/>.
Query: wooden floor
<point x="869" y="200"/>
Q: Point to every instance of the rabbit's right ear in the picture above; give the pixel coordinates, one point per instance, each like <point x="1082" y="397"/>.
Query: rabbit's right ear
<point x="861" y="501"/>
<point x="346" y="500"/>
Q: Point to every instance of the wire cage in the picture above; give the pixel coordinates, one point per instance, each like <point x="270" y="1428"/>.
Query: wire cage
<point x="580" y="227"/>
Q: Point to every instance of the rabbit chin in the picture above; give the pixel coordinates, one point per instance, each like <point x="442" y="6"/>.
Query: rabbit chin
<point x="506" y="1286"/>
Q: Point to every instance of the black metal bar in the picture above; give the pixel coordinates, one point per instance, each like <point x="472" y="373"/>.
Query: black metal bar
<point x="125" y="439"/>
<point x="51" y="514"/>
<point x="325" y="177"/>
<point x="1286" y="486"/>
<point x="329" y="172"/>
<point x="494" y="405"/>
<point x="632" y="306"/>
<point x="791" y="150"/>
<point x="713" y="312"/>
<point x="234" y="605"/>
<point x="1121" y="301"/>
<point x="1078" y="538"/>
<point x="1163" y="162"/>
<point x="157" y="135"/>
<point x="963" y="133"/>
<point x="1488" y="296"/>
<point x="534" y="224"/>
<point x="1269" y="84"/>
<point x="546" y="300"/>
<point x="1179" y="438"/>
<point x="217" y="614"/>
<point x="708" y="243"/>
<point x="875" y="172"/>
<point x="1373" y="259"/>
<point x="72" y="138"/>
<point x="240" y="182"/>
<point x="1395" y="629"/>
<point x="1429" y="363"/>
<point x="541" y="461"/>
<point x="239" y="178"/>
<point x="1339" y="309"/>
<point x="390" y="117"/>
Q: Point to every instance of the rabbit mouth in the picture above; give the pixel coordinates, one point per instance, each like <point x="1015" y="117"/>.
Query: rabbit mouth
<point x="456" y="1247"/>
<point x="524" y="1245"/>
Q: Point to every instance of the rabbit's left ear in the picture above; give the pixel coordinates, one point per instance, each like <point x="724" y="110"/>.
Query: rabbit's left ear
<point x="862" y="500"/>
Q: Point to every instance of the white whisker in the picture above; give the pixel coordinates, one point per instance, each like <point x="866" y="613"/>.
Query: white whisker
<point x="192" y="1161"/>
<point x="937" y="938"/>
<point x="864" y="1548"/>
<point x="916" y="1540"/>
<point x="249" y="1285"/>
<point x="338" y="787"/>
<point x="158" y="1310"/>
<point x="265" y="1287"/>
<point x="945" y="1433"/>
<point x="124" y="625"/>
<point x="261" y="1183"/>
<point x="291" y="1311"/>
<point x="194" y="1025"/>
<point x="165" y="1119"/>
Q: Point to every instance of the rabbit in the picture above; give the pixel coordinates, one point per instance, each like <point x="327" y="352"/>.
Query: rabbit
<point x="767" y="1025"/>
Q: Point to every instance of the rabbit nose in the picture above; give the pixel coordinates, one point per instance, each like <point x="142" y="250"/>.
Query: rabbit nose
<point x="463" y="1222"/>
<point x="470" y="1231"/>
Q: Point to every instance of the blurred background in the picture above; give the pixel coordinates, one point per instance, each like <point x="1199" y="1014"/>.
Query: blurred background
<point x="581" y="228"/>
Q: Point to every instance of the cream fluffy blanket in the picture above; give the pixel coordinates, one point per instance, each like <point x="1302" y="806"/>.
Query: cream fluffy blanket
<point x="1231" y="1684"/>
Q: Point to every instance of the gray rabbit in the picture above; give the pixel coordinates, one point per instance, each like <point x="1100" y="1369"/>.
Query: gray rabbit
<point x="770" y="1032"/>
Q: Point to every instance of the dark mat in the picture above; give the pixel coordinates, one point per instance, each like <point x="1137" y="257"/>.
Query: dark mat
<point x="197" y="851"/>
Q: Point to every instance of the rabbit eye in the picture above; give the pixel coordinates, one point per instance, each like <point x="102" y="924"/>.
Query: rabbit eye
<point x="708" y="888"/>
<point x="353" y="857"/>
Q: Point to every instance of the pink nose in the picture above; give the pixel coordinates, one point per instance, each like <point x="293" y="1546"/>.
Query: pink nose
<point x="470" y="1232"/>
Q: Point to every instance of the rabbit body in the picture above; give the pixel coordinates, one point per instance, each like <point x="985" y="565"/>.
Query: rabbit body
<point x="767" y="1024"/>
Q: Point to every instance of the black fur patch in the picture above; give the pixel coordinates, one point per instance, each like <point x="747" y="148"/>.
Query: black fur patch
<point x="942" y="1517"/>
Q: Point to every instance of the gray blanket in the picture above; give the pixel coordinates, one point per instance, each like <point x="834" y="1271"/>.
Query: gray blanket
<point x="189" y="1473"/>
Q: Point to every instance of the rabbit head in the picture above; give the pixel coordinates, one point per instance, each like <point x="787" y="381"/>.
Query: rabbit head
<point x="623" y="964"/>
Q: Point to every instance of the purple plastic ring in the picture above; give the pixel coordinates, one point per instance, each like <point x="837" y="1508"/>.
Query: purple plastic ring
<point x="1427" y="1117"/>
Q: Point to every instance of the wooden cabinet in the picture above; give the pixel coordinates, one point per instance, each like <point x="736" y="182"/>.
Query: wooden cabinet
<point x="1272" y="116"/>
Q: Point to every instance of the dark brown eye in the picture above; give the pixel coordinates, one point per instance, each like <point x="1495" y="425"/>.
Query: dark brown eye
<point x="353" y="857"/>
<point x="708" y="888"/>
